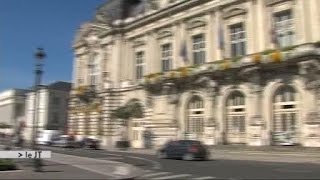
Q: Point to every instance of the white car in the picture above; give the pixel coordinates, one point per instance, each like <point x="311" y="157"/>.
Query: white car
<point x="45" y="137"/>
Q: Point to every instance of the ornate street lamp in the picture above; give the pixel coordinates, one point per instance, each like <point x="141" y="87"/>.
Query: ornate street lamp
<point x="39" y="56"/>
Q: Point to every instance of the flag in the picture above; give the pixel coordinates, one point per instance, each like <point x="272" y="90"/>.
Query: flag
<point x="184" y="51"/>
<point x="221" y="37"/>
<point x="274" y="36"/>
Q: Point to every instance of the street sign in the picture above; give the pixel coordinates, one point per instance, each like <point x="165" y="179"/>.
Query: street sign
<point x="25" y="154"/>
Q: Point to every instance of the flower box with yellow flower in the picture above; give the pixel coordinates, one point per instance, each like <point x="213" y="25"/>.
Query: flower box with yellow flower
<point x="276" y="56"/>
<point x="172" y="74"/>
<point x="256" y="58"/>
<point x="183" y="71"/>
<point x="225" y="64"/>
<point x="79" y="91"/>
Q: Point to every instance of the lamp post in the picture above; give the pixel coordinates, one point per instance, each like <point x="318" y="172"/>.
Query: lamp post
<point x="39" y="56"/>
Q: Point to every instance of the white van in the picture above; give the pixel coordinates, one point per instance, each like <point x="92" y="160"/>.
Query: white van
<point x="45" y="137"/>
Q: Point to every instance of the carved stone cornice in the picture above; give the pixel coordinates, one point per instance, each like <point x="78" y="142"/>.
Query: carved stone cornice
<point x="163" y="33"/>
<point x="310" y="70"/>
<point x="170" y="90"/>
<point x="196" y="22"/>
<point x="273" y="2"/>
<point x="208" y="85"/>
<point x="234" y="11"/>
<point x="254" y="77"/>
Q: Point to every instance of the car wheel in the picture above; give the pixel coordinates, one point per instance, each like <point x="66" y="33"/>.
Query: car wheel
<point x="188" y="157"/>
<point x="162" y="155"/>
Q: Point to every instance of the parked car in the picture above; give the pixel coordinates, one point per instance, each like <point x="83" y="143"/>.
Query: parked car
<point x="90" y="143"/>
<point x="184" y="149"/>
<point x="45" y="137"/>
<point x="64" y="141"/>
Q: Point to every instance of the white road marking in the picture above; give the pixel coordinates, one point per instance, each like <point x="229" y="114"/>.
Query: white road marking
<point x="173" y="176"/>
<point x="155" y="174"/>
<point x="94" y="170"/>
<point x="14" y="171"/>
<point x="111" y="158"/>
<point x="204" y="178"/>
<point x="121" y="171"/>
<point x="148" y="171"/>
<point x="156" y="165"/>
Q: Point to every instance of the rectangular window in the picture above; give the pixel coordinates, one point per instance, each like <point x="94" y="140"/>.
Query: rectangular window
<point x="238" y="40"/>
<point x="283" y="24"/>
<point x="80" y="81"/>
<point x="198" y="49"/>
<point x="140" y="60"/>
<point x="93" y="67"/>
<point x="56" y="101"/>
<point x="135" y="135"/>
<point x="166" y="56"/>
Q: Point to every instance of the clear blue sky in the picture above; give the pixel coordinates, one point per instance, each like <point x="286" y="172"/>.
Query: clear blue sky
<point x="28" y="24"/>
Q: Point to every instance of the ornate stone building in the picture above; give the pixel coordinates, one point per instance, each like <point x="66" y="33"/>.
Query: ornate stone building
<point x="220" y="71"/>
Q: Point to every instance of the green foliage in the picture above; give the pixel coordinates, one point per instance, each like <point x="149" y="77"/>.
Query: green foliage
<point x="133" y="109"/>
<point x="317" y="44"/>
<point x="236" y="59"/>
<point x="4" y="126"/>
<point x="268" y="51"/>
<point x="288" y="48"/>
<point x="7" y="164"/>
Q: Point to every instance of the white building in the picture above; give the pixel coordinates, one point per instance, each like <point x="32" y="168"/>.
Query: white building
<point x="52" y="111"/>
<point x="203" y="69"/>
<point x="12" y="107"/>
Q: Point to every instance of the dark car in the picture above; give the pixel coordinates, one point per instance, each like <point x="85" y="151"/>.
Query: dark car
<point x="90" y="143"/>
<point x="184" y="149"/>
<point x="64" y="141"/>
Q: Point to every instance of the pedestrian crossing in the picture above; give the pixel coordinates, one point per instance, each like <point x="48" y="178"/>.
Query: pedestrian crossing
<point x="156" y="175"/>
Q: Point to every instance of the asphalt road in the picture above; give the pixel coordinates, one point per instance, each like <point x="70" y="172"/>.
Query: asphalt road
<point x="213" y="169"/>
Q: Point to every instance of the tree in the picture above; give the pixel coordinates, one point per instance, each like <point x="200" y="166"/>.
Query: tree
<point x="132" y="109"/>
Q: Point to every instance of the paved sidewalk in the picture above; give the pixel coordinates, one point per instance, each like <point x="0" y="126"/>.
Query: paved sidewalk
<point x="62" y="166"/>
<point x="51" y="171"/>
<point x="115" y="170"/>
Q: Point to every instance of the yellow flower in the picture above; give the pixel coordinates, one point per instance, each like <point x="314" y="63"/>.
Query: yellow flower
<point x="80" y="90"/>
<point x="256" y="58"/>
<point x="147" y="80"/>
<point x="156" y="77"/>
<point x="225" y="65"/>
<point x="172" y="75"/>
<point x="183" y="71"/>
<point x="276" y="56"/>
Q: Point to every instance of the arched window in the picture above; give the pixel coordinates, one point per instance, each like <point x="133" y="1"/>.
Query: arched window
<point x="285" y="109"/>
<point x="236" y="113"/>
<point x="195" y="119"/>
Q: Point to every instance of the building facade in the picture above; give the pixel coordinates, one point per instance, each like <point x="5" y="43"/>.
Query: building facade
<point x="219" y="71"/>
<point x="52" y="108"/>
<point x="12" y="108"/>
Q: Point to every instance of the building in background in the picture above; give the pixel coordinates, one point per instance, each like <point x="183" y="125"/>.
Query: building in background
<point x="12" y="108"/>
<point x="52" y="108"/>
<point x="218" y="71"/>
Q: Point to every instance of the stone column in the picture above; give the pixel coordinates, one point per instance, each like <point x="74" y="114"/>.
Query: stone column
<point x="219" y="22"/>
<point x="256" y="122"/>
<point x="211" y="118"/>
<point x="310" y="71"/>
<point x="261" y="30"/>
<point x="211" y="37"/>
